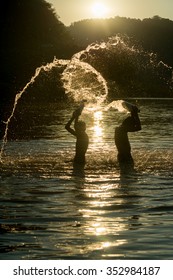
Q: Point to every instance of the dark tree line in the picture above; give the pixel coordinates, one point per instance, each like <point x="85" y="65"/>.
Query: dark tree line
<point x="31" y="35"/>
<point x="154" y="34"/>
<point x="140" y="62"/>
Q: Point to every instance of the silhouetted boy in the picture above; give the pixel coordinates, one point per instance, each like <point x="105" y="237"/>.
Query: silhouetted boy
<point x="81" y="136"/>
<point x="130" y="124"/>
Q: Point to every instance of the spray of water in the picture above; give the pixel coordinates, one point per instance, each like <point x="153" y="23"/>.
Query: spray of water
<point x="130" y="68"/>
<point x="47" y="67"/>
<point x="82" y="81"/>
<point x="118" y="105"/>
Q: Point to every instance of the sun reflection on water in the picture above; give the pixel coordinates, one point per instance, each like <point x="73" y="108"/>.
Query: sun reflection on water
<point x="102" y="220"/>
<point x="98" y="129"/>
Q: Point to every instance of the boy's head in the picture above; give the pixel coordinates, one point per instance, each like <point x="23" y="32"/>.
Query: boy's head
<point x="80" y="126"/>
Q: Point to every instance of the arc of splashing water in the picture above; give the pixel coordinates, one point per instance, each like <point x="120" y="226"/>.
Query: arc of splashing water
<point x="76" y="59"/>
<point x="56" y="62"/>
<point x="46" y="68"/>
<point x="77" y="69"/>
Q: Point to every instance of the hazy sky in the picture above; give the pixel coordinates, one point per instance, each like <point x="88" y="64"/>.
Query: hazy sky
<point x="70" y="11"/>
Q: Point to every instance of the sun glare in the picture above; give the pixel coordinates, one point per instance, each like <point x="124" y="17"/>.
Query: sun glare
<point x="99" y="10"/>
<point x="98" y="131"/>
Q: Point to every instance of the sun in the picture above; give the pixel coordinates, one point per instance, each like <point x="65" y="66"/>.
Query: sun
<point x="99" y="10"/>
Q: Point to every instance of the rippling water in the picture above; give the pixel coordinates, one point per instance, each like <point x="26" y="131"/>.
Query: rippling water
<point x="51" y="211"/>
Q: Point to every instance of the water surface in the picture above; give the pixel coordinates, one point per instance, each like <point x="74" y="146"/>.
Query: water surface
<point x="50" y="210"/>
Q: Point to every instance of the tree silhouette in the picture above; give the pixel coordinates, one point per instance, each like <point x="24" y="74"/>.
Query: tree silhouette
<point x="31" y="35"/>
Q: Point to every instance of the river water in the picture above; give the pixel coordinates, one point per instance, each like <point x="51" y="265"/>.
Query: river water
<point x="49" y="210"/>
